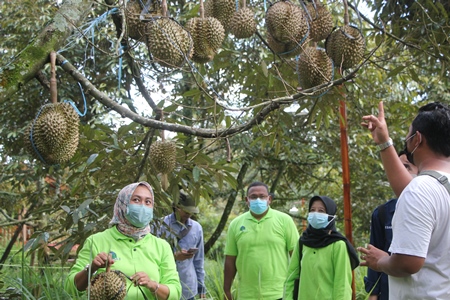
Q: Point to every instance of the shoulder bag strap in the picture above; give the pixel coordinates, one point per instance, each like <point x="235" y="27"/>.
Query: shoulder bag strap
<point x="439" y="177"/>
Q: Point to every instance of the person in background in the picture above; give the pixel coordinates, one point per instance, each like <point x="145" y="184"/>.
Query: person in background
<point x="419" y="264"/>
<point x="186" y="236"/>
<point x="258" y="246"/>
<point x="376" y="283"/>
<point x="129" y="247"/>
<point x="323" y="259"/>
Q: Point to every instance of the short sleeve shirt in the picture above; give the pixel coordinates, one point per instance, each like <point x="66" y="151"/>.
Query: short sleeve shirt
<point x="262" y="253"/>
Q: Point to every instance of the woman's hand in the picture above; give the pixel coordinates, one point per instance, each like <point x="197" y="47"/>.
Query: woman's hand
<point x="102" y="260"/>
<point x="142" y="279"/>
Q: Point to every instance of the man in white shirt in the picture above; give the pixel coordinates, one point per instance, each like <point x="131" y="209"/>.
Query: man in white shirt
<point x="419" y="266"/>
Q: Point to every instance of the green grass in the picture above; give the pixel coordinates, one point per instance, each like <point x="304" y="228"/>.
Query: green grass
<point x="20" y="281"/>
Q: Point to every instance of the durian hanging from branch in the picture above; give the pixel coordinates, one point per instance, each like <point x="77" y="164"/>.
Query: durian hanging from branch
<point x="243" y="24"/>
<point x="52" y="137"/>
<point x="168" y="42"/>
<point x="345" y="45"/>
<point x="137" y="14"/>
<point x="320" y="20"/>
<point x="207" y="33"/>
<point x="222" y="10"/>
<point x="314" y="68"/>
<point x="287" y="28"/>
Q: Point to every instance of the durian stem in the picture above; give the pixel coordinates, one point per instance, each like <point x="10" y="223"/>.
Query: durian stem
<point x="53" y="88"/>
<point x="164" y="8"/>
<point x="244" y="3"/>
<point x="346" y="18"/>
<point x="202" y="10"/>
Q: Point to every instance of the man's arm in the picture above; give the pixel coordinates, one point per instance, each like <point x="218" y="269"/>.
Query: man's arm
<point x="400" y="265"/>
<point x="397" y="265"/>
<point x="396" y="173"/>
<point x="229" y="274"/>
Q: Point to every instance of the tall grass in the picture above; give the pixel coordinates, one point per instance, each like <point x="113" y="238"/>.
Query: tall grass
<point x="20" y="281"/>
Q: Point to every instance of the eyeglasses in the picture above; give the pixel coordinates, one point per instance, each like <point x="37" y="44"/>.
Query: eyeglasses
<point x="410" y="137"/>
<point x="254" y="197"/>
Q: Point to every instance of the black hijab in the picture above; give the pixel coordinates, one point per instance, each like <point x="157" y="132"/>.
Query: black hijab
<point x="318" y="238"/>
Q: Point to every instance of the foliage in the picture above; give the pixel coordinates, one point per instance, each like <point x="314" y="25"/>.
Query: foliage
<point x="244" y="107"/>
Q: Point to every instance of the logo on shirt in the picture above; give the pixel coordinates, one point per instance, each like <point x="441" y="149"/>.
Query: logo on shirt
<point x="114" y="255"/>
<point x="242" y="229"/>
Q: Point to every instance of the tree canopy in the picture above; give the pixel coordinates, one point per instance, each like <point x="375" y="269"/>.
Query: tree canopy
<point x="240" y="117"/>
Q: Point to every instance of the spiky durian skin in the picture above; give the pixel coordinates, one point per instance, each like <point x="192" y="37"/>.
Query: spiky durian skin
<point x="163" y="156"/>
<point x="135" y="27"/>
<point x="168" y="42"/>
<point x="321" y="22"/>
<point x="243" y="24"/>
<point x="207" y="34"/>
<point x="222" y="10"/>
<point x="54" y="134"/>
<point x="345" y="46"/>
<point x="283" y="49"/>
<point x="286" y="22"/>
<point x="108" y="285"/>
<point x="314" y="67"/>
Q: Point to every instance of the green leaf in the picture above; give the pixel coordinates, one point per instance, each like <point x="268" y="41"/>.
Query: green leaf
<point x="91" y="159"/>
<point x="196" y="174"/>
<point x="396" y="71"/>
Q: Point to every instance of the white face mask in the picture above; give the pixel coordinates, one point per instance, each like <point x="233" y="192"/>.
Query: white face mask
<point x="319" y="220"/>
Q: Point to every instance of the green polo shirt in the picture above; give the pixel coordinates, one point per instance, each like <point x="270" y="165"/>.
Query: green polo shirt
<point x="262" y="253"/>
<point x="150" y="254"/>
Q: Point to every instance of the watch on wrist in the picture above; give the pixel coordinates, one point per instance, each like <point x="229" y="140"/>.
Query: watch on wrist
<point x="385" y="145"/>
<point x="87" y="269"/>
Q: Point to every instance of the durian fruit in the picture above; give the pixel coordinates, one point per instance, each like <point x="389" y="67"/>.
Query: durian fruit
<point x="320" y="22"/>
<point x="222" y="10"/>
<point x="53" y="136"/>
<point x="168" y="42"/>
<point x="286" y="50"/>
<point x="207" y="34"/>
<point x="135" y="27"/>
<point x="314" y="68"/>
<point x="108" y="285"/>
<point x="243" y="24"/>
<point x="286" y="22"/>
<point x="163" y="156"/>
<point x="345" y="46"/>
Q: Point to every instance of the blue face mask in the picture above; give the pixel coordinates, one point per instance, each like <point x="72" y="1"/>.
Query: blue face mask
<point x="258" y="206"/>
<point x="319" y="220"/>
<point x="139" y="215"/>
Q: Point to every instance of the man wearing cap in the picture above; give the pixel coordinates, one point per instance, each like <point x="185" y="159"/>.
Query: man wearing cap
<point x="186" y="237"/>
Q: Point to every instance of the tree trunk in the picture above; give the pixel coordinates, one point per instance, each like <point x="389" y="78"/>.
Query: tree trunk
<point x="226" y="213"/>
<point x="31" y="60"/>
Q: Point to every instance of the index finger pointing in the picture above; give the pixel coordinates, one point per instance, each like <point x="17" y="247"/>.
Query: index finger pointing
<point x="380" y="111"/>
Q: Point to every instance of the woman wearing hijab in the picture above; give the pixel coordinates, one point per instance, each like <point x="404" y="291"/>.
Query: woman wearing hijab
<point x="129" y="247"/>
<point x="322" y="263"/>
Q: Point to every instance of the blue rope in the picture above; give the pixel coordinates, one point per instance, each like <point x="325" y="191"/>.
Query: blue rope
<point x="119" y="71"/>
<point x="237" y="5"/>
<point x="73" y="103"/>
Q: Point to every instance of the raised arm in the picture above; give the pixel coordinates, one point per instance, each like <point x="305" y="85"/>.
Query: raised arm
<point x="396" y="173"/>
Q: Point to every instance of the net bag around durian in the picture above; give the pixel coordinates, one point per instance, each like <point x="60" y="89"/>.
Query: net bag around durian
<point x="346" y="44"/>
<point x="53" y="135"/>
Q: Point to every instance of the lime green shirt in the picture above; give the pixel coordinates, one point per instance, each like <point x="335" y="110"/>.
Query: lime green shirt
<point x="326" y="273"/>
<point x="262" y="253"/>
<point x="150" y="254"/>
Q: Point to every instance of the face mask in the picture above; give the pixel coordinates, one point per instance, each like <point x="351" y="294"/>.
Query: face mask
<point x="409" y="155"/>
<point x="319" y="220"/>
<point x="139" y="215"/>
<point x="258" y="206"/>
